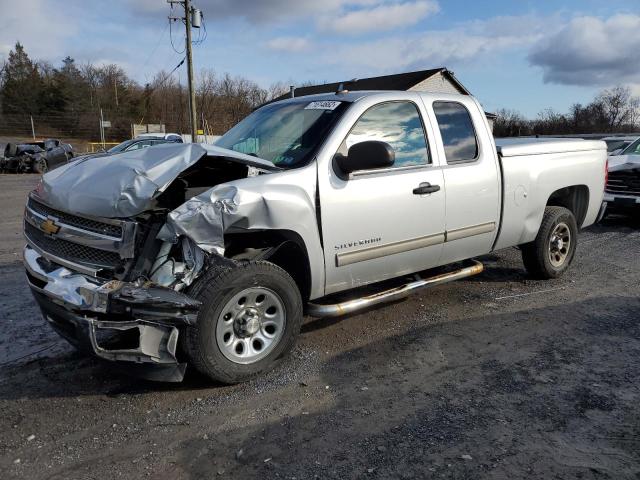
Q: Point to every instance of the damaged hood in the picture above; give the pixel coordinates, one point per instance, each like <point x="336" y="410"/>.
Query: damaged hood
<point x="124" y="184"/>
<point x="618" y="163"/>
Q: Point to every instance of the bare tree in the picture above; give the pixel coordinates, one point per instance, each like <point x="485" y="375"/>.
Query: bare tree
<point x="617" y="105"/>
<point x="510" y="123"/>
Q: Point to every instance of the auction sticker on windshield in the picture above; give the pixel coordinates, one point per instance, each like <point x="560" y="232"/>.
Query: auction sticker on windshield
<point x="323" y="105"/>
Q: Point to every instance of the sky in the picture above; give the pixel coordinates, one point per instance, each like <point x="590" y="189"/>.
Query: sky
<point x="515" y="54"/>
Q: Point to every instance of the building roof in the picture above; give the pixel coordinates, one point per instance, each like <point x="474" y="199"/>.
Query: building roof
<point x="398" y="81"/>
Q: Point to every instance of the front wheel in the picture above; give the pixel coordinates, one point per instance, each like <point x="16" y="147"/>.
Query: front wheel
<point x="551" y="253"/>
<point x="249" y="319"/>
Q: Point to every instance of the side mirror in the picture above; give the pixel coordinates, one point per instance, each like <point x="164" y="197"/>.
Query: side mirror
<point x="367" y="156"/>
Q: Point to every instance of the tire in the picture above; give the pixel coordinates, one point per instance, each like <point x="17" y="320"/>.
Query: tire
<point x="237" y="336"/>
<point x="40" y="166"/>
<point x="548" y="256"/>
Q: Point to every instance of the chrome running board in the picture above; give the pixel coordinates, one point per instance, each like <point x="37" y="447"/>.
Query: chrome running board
<point x="337" y="309"/>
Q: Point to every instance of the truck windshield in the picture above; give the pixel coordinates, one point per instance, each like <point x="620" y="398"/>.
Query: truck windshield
<point x="287" y="134"/>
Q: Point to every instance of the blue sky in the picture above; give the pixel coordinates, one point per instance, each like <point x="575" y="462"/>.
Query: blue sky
<point x="523" y="55"/>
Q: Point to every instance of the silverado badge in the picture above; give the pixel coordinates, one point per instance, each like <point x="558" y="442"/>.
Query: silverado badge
<point x="49" y="227"/>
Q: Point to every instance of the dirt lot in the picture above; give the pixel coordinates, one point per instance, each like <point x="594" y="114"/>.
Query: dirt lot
<point x="494" y="377"/>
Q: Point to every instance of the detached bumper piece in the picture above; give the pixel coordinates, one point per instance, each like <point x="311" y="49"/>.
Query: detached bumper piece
<point x="136" y="326"/>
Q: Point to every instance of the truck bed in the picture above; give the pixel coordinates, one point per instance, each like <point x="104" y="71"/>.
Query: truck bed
<point x="515" y="147"/>
<point x="534" y="169"/>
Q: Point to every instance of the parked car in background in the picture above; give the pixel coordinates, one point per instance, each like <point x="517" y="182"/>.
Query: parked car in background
<point x="146" y="141"/>
<point x="38" y="157"/>
<point x="172" y="137"/>
<point x="622" y="192"/>
<point x="616" y="144"/>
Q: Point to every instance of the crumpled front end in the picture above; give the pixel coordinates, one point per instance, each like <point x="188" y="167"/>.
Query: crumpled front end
<point x="91" y="279"/>
<point x="113" y="243"/>
<point x="238" y="207"/>
<point x="115" y="320"/>
<point x="266" y="203"/>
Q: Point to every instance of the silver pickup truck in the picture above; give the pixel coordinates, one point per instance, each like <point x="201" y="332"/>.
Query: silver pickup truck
<point x="210" y="255"/>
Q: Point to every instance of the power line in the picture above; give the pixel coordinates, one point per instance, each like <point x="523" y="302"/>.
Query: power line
<point x="153" y="51"/>
<point x="169" y="74"/>
<point x="159" y="84"/>
<point x="171" y="20"/>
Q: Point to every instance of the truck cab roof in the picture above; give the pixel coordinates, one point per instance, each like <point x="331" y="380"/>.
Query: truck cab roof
<point x="354" y="96"/>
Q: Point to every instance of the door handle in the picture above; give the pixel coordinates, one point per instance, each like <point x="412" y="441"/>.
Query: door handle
<point x="425" y="188"/>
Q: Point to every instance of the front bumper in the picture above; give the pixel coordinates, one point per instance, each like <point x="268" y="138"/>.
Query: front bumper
<point x="621" y="200"/>
<point x="127" y="323"/>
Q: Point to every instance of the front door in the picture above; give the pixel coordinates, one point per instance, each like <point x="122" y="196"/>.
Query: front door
<point x="382" y="223"/>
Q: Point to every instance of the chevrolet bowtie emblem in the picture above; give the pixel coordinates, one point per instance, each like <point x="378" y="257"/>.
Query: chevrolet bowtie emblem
<point x="49" y="227"/>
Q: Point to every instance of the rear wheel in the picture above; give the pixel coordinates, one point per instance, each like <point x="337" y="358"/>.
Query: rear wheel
<point x="249" y="319"/>
<point x="551" y="253"/>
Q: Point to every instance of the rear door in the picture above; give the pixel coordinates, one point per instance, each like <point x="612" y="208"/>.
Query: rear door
<point x="471" y="178"/>
<point x="376" y="224"/>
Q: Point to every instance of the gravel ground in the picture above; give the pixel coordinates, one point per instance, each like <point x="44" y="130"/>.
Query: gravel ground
<point x="497" y="376"/>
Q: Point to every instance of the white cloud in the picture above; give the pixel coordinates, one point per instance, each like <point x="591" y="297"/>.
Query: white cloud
<point x="288" y="44"/>
<point x="57" y="28"/>
<point x="380" y="18"/>
<point x="37" y="25"/>
<point x="254" y="11"/>
<point x="591" y="51"/>
<point x="469" y="42"/>
<point x="635" y="89"/>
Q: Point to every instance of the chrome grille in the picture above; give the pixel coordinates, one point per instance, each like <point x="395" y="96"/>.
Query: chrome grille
<point x="70" y="251"/>
<point x="76" y="221"/>
<point x="626" y="182"/>
<point x="84" y="244"/>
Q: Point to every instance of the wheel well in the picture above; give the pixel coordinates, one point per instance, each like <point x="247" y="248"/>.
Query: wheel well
<point x="574" y="198"/>
<point x="284" y="248"/>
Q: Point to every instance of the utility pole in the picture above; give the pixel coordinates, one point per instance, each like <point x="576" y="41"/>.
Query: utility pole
<point x="188" y="12"/>
<point x="115" y="87"/>
<point x="192" y="90"/>
<point x="101" y="129"/>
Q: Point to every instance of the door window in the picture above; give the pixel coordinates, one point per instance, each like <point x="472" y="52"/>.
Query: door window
<point x="138" y="145"/>
<point x="633" y="149"/>
<point x="399" y="125"/>
<point x="456" y="129"/>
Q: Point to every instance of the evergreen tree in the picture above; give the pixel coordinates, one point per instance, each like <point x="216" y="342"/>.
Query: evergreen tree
<point x="22" y="84"/>
<point x="72" y="86"/>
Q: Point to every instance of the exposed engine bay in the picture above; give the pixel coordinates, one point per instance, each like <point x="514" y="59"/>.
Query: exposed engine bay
<point x="175" y="263"/>
<point x="202" y="176"/>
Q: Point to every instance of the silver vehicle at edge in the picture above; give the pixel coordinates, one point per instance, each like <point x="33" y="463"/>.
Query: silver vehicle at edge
<point x="622" y="192"/>
<point x="209" y="255"/>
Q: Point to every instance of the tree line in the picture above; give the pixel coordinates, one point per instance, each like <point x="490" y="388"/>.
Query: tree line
<point x="613" y="110"/>
<point x="66" y="100"/>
